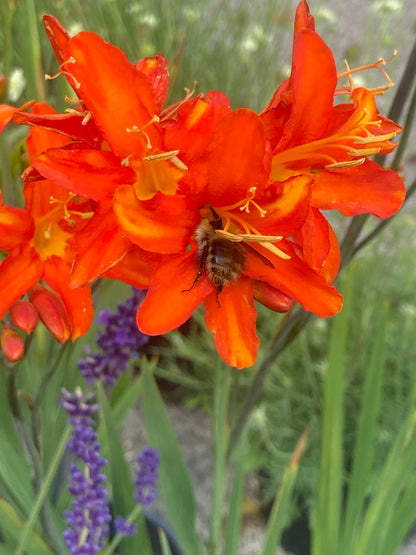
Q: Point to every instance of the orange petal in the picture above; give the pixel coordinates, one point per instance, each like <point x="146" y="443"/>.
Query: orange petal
<point x="120" y="97"/>
<point x="135" y="268"/>
<point x="7" y="113"/>
<point x="303" y="18"/>
<point x="157" y="72"/>
<point x="58" y="36"/>
<point x="100" y="245"/>
<point x="92" y="174"/>
<point x="78" y="302"/>
<point x="196" y="119"/>
<point x="296" y="280"/>
<point x="162" y="224"/>
<point x="235" y="161"/>
<point x="288" y="211"/>
<point x="16" y="227"/>
<point x="58" y="129"/>
<point x="171" y="298"/>
<point x="368" y="188"/>
<point x="315" y="239"/>
<point x="19" y="271"/>
<point x="313" y="80"/>
<point x="232" y="319"/>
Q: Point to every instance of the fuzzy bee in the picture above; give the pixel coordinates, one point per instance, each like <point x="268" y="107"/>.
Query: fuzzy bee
<point x="223" y="259"/>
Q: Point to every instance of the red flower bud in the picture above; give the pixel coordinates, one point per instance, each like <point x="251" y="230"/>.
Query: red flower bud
<point x="12" y="344"/>
<point x="51" y="311"/>
<point x="24" y="315"/>
<point x="271" y="297"/>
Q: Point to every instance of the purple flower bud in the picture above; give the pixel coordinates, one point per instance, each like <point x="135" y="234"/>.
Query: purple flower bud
<point x="122" y="526"/>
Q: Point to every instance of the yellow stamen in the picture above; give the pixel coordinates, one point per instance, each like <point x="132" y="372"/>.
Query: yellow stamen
<point x="252" y="235"/>
<point x="244" y="205"/>
<point x="169" y="112"/>
<point x="375" y="138"/>
<point x="375" y="65"/>
<point x="135" y="129"/>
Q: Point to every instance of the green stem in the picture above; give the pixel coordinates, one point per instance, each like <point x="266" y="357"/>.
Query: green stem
<point x="288" y="332"/>
<point x="43" y="492"/>
<point x="221" y="438"/>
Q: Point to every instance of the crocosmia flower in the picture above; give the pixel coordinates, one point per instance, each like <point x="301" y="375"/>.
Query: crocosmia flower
<point x="39" y="240"/>
<point x="242" y="248"/>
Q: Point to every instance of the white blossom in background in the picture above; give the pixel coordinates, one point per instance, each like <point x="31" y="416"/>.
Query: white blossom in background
<point x="16" y="84"/>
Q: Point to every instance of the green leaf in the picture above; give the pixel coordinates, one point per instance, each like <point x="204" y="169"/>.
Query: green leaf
<point x="367" y="432"/>
<point x="328" y="509"/>
<point x="14" y="524"/>
<point x="14" y="470"/>
<point x="122" y="482"/>
<point x="283" y="500"/>
<point x="221" y="433"/>
<point x="235" y="509"/>
<point x="175" y="485"/>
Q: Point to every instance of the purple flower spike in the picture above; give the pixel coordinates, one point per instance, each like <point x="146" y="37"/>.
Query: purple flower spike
<point x="120" y="342"/>
<point x="147" y="476"/>
<point x="88" y="520"/>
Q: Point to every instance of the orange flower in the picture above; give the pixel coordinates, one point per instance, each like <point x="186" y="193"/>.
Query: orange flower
<point x="240" y="250"/>
<point x="309" y="135"/>
<point x="39" y="240"/>
<point x="114" y="154"/>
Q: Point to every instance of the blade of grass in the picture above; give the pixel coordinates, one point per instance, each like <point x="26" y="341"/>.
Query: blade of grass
<point x="222" y="383"/>
<point x="122" y="483"/>
<point x="41" y="497"/>
<point x="280" y="511"/>
<point x="396" y="471"/>
<point x="13" y="523"/>
<point x="175" y="484"/>
<point x="367" y="431"/>
<point x="236" y="500"/>
<point x="328" y="509"/>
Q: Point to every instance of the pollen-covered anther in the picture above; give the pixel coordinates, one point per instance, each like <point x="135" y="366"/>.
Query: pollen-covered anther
<point x="375" y="138"/>
<point x="170" y="155"/>
<point x="136" y="129"/>
<point x="346" y="164"/>
<point x="364" y="151"/>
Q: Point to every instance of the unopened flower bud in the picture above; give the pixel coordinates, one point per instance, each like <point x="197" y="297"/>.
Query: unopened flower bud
<point x="12" y="344"/>
<point x="51" y="311"/>
<point x="271" y="297"/>
<point x="24" y="316"/>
